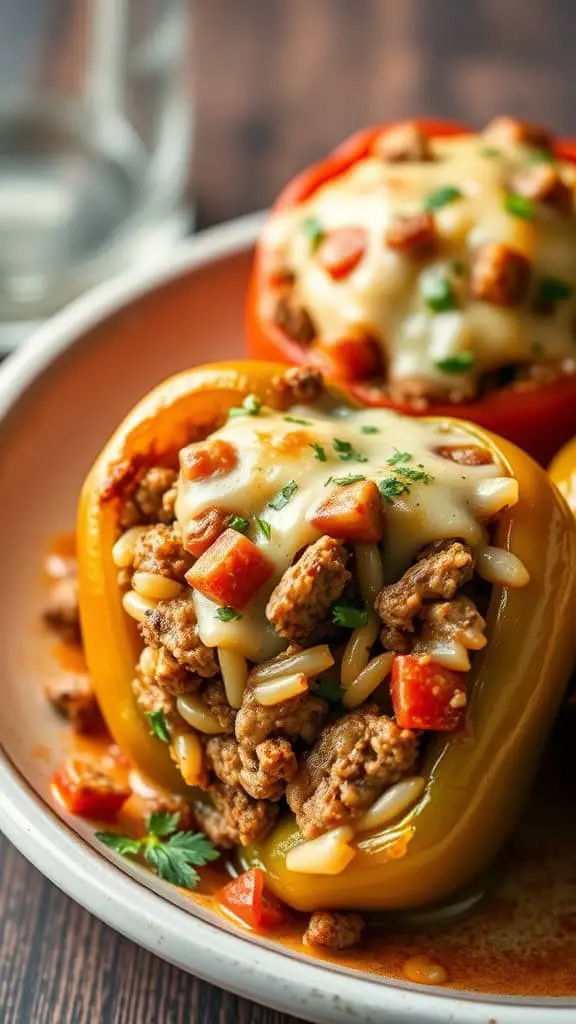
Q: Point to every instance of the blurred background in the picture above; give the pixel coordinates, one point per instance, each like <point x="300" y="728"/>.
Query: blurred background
<point x="125" y="123"/>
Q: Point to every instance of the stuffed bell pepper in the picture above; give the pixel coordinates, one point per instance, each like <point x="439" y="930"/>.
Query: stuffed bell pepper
<point x="342" y="633"/>
<point x="432" y="269"/>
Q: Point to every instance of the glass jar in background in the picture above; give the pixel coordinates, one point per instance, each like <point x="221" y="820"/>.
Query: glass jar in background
<point x="95" y="145"/>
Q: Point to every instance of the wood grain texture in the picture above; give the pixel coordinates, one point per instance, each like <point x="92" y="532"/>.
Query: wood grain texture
<point x="278" y="82"/>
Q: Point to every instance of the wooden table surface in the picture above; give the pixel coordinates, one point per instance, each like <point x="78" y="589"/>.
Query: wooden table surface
<point x="277" y="83"/>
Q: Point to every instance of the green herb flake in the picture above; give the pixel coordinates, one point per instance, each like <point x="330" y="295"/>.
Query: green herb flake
<point x="369" y="429"/>
<point x="319" y="452"/>
<point x="399" y="457"/>
<point x="313" y="230"/>
<point x="331" y="692"/>
<point x="415" y="476"/>
<point x="489" y="151"/>
<point x="542" y="156"/>
<point x="553" y="289"/>
<point x="343" y="481"/>
<point x="280" y="500"/>
<point x="238" y="523"/>
<point x="537" y="348"/>
<point x="296" y="419"/>
<point x="264" y="527"/>
<point x="458" y="363"/>
<point x="390" y="487"/>
<point x="158" y="725"/>
<point x="437" y="293"/>
<point x="349" y="614"/>
<point x="441" y="197"/>
<point x="174" y="855"/>
<point x="347" y="453"/>
<point x="227" y="614"/>
<point x="519" y="206"/>
<point x="457" y="267"/>
<point x="251" y="406"/>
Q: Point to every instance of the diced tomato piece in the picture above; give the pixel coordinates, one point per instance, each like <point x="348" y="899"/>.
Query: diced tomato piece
<point x="352" y="513"/>
<point x="84" y="790"/>
<point x="427" y="696"/>
<point x="231" y="570"/>
<point x="353" y="358"/>
<point x="465" y="454"/>
<point x="246" y="898"/>
<point x="204" y="529"/>
<point x="341" y="250"/>
<point x="199" y="461"/>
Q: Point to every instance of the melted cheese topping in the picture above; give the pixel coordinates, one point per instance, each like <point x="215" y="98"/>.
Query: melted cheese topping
<point x="274" y="452"/>
<point x="384" y="292"/>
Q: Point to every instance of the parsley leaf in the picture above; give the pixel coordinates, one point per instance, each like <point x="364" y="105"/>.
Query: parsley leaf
<point x="175" y="858"/>
<point x="553" y="289"/>
<point x="331" y="692"/>
<point x="349" y="614"/>
<point x="343" y="481"/>
<point x="251" y="406"/>
<point x="369" y="430"/>
<point x="158" y="725"/>
<point x="458" y="363"/>
<point x="489" y="151"/>
<point x="227" y="614"/>
<point x="519" y="206"/>
<point x="542" y="156"/>
<point x="238" y="523"/>
<point x="347" y="453"/>
<point x="415" y="476"/>
<point x="126" y="846"/>
<point x="264" y="526"/>
<point x="162" y="823"/>
<point x="295" y="419"/>
<point x="319" y="452"/>
<point x="280" y="500"/>
<point x="441" y="197"/>
<point x="313" y="230"/>
<point x="399" y="457"/>
<point x="390" y="487"/>
<point x="437" y="292"/>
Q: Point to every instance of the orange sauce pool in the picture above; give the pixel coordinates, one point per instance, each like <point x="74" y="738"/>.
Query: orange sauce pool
<point x="522" y="942"/>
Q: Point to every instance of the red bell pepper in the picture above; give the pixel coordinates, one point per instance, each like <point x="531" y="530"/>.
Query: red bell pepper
<point x="426" y="695"/>
<point x="247" y="899"/>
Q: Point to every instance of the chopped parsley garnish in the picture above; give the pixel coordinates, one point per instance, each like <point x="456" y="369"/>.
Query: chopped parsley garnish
<point x="296" y="419"/>
<point x="437" y="293"/>
<point x="458" y="363"/>
<point x="313" y="230"/>
<point x="158" y="725"/>
<point x="264" y="526"/>
<point x="349" y="614"/>
<point x="489" y="151"/>
<point x="553" y="289"/>
<point x="542" y="156"/>
<point x="415" y="476"/>
<point x="251" y="406"/>
<point x="227" y="614"/>
<point x="457" y="267"/>
<point x="331" y="692"/>
<point x="280" y="500"/>
<point x="319" y="452"/>
<point x="390" y="487"/>
<point x="347" y="453"/>
<point x="343" y="481"/>
<point x="238" y="523"/>
<point x="441" y="197"/>
<point x="369" y="430"/>
<point x="173" y="855"/>
<point x="399" y="457"/>
<point x="519" y="206"/>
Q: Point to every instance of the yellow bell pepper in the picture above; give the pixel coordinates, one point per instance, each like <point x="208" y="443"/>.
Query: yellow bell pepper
<point x="477" y="781"/>
<point x="563" y="472"/>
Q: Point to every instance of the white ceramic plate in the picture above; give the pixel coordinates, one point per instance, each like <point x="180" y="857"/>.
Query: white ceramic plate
<point x="60" y="397"/>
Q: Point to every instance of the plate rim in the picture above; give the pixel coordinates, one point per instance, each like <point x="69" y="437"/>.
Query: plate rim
<point x="101" y="885"/>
